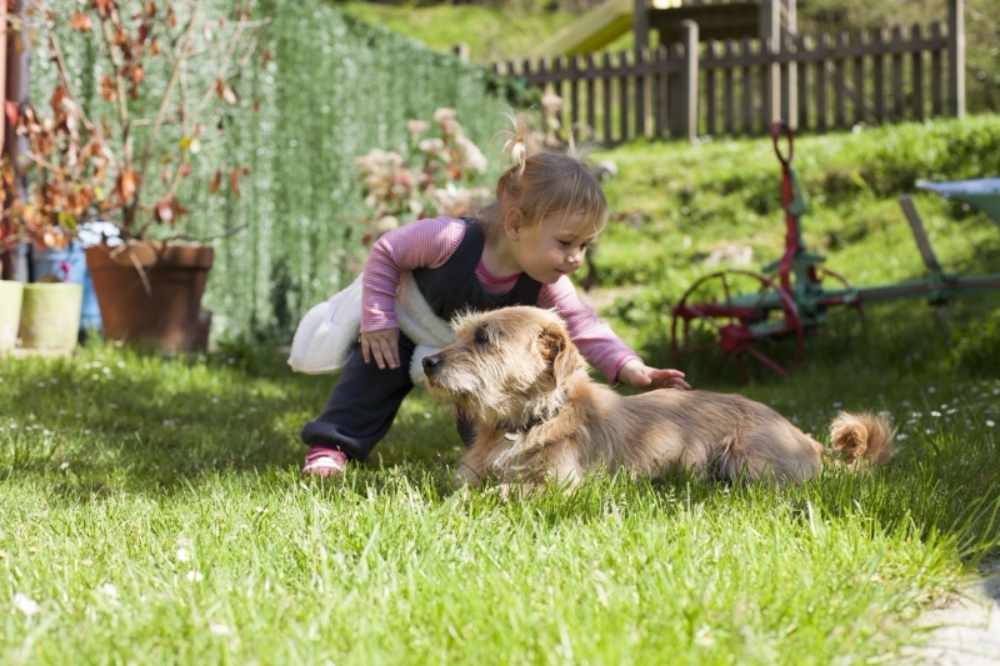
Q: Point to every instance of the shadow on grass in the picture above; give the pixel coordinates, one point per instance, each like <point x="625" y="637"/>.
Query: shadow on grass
<point x="117" y="419"/>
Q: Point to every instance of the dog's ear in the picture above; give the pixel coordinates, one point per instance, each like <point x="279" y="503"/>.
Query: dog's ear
<point x="560" y="351"/>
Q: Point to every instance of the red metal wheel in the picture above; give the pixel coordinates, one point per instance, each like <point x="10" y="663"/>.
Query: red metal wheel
<point x="737" y="312"/>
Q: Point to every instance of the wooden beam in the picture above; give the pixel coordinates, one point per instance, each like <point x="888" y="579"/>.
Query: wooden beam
<point x="919" y="233"/>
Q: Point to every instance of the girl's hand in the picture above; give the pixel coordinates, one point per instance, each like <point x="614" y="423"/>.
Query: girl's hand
<point x="383" y="346"/>
<point x="638" y="374"/>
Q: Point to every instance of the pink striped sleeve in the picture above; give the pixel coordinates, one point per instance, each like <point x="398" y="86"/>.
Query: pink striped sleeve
<point x="592" y="335"/>
<point x="424" y="243"/>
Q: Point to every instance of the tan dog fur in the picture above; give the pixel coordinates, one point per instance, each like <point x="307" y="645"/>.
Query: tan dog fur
<point x="538" y="415"/>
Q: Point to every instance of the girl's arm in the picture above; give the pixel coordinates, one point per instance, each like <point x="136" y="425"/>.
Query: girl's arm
<point x="429" y="243"/>
<point x="599" y="344"/>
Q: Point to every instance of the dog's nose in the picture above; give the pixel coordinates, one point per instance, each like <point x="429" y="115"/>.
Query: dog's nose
<point x="431" y="363"/>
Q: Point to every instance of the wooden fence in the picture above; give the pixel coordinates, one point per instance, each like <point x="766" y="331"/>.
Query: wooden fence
<point x="692" y="89"/>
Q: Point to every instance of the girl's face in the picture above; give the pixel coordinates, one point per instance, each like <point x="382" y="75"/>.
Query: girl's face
<point x="553" y="248"/>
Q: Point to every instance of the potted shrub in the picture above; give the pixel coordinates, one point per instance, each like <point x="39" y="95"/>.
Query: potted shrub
<point x="162" y="69"/>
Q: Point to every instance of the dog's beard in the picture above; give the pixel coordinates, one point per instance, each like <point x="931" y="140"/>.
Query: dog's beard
<point x="516" y="406"/>
<point x="459" y="388"/>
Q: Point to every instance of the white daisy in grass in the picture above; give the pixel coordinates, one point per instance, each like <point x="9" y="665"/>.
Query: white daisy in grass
<point x="195" y="576"/>
<point x="990" y="423"/>
<point x="26" y="604"/>
<point x="108" y="590"/>
<point x="220" y="629"/>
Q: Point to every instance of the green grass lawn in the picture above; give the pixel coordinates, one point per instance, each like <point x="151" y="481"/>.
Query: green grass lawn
<point x="151" y="509"/>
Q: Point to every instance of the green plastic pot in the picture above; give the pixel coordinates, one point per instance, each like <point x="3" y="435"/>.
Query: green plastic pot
<point x="50" y="316"/>
<point x="10" y="313"/>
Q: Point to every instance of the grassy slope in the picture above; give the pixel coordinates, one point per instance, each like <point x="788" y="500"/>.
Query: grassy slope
<point x="152" y="507"/>
<point x="488" y="31"/>
<point x="681" y="203"/>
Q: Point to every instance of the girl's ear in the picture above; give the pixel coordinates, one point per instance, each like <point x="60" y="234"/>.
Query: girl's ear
<point x="513" y="222"/>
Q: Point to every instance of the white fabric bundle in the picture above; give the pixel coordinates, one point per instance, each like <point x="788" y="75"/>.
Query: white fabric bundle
<point x="327" y="334"/>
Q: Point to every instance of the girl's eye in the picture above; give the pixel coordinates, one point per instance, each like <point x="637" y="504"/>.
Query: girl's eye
<point x="583" y="246"/>
<point x="565" y="243"/>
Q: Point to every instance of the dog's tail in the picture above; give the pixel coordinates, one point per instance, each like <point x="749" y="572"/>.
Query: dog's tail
<point x="863" y="438"/>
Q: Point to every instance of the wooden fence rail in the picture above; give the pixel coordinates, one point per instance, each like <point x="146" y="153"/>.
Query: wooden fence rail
<point x="739" y="87"/>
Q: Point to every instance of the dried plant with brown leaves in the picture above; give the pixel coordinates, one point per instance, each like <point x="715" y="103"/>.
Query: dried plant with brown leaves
<point x="124" y="158"/>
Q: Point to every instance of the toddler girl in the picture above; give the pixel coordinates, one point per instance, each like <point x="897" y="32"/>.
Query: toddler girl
<point x="519" y="250"/>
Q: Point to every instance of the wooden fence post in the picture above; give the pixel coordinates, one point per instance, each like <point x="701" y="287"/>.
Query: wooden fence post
<point x="790" y="83"/>
<point x="640" y="60"/>
<point x="917" y="74"/>
<point x="956" y="57"/>
<point x="640" y="24"/>
<point x="689" y="79"/>
<point x="770" y="42"/>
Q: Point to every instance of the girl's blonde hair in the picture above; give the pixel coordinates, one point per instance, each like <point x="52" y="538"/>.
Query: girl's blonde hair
<point x="542" y="185"/>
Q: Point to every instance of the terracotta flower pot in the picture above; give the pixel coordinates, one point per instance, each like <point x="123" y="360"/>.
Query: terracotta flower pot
<point x="10" y="313"/>
<point x="150" y="292"/>
<point x="50" y="317"/>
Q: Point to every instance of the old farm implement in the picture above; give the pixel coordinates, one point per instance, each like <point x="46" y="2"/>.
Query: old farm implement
<point x="742" y="313"/>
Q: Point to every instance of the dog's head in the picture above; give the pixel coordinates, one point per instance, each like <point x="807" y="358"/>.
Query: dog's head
<point x="507" y="366"/>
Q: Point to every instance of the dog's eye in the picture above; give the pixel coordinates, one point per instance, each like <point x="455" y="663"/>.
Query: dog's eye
<point x="480" y="337"/>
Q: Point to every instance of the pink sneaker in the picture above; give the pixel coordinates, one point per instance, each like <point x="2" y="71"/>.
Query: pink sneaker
<point x="324" y="461"/>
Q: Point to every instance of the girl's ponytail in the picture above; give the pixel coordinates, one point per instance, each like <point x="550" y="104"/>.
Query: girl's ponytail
<point x="515" y="146"/>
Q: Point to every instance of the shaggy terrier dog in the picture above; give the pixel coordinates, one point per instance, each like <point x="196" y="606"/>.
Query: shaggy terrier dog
<point x="538" y="415"/>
